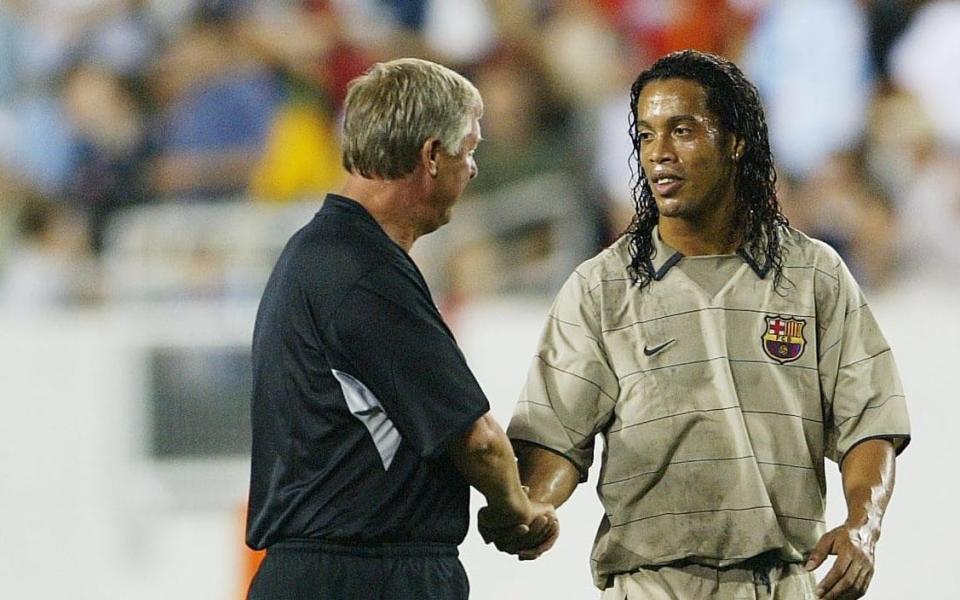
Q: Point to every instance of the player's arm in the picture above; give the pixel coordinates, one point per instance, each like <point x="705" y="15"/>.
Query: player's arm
<point x="570" y="388"/>
<point x="868" y="472"/>
<point x="485" y="458"/>
<point x="549" y="478"/>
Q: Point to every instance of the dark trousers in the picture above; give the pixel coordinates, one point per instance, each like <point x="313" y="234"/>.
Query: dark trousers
<point x="315" y="570"/>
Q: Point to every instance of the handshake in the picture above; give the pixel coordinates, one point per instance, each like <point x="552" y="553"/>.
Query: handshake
<point x="526" y="533"/>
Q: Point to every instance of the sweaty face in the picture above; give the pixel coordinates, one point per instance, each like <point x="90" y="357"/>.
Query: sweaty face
<point x="687" y="157"/>
<point x="454" y="172"/>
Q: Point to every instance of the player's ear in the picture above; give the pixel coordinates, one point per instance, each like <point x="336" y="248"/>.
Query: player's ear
<point x="429" y="155"/>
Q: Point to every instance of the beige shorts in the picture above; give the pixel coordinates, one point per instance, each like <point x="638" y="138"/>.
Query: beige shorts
<point x="693" y="582"/>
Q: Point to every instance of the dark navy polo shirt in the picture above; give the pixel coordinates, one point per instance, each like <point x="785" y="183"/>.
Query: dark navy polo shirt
<point x="359" y="387"/>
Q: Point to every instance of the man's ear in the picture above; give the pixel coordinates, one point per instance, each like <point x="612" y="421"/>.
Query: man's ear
<point x="429" y="155"/>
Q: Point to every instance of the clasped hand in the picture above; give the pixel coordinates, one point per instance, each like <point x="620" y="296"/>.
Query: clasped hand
<point x="527" y="540"/>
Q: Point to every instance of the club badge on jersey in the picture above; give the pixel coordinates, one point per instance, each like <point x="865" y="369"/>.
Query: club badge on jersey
<point x="783" y="339"/>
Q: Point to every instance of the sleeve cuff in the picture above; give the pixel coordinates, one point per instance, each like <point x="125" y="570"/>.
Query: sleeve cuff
<point x="456" y="430"/>
<point x="581" y="469"/>
<point x="900" y="442"/>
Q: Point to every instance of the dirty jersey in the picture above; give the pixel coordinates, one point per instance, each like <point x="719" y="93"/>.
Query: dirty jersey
<point x="717" y="400"/>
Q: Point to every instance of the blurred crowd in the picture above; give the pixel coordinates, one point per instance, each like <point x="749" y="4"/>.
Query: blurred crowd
<point x="170" y="144"/>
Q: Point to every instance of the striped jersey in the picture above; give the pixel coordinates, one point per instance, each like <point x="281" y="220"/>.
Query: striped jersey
<point x="717" y="395"/>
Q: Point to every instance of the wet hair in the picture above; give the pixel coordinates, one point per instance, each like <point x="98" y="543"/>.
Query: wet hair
<point x="392" y="109"/>
<point x="758" y="219"/>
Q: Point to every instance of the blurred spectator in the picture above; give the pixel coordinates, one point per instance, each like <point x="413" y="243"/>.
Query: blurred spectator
<point x="528" y="218"/>
<point x="107" y="116"/>
<point x="125" y="41"/>
<point x="41" y="41"/>
<point x="49" y="265"/>
<point x="658" y="27"/>
<point x="458" y="31"/>
<point x="925" y="62"/>
<point x="216" y="105"/>
<point x="309" y="42"/>
<point x="302" y="154"/>
<point x="923" y="176"/>
<point x="888" y="19"/>
<point x="525" y="128"/>
<point x="612" y="148"/>
<point x="10" y="62"/>
<point x="582" y="52"/>
<point x="36" y="144"/>
<point x="587" y="63"/>
<point x="809" y="59"/>
<point x="304" y="45"/>
<point x="453" y="31"/>
<point x="843" y="206"/>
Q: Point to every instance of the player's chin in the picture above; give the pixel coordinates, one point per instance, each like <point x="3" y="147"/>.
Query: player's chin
<point x="671" y="207"/>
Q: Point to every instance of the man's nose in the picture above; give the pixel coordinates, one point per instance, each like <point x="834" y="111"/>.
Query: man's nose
<point x="660" y="149"/>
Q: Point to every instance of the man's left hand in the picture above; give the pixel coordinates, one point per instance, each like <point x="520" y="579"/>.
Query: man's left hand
<point x="853" y="569"/>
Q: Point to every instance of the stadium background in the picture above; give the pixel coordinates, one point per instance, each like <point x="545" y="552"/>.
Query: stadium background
<point x="156" y="154"/>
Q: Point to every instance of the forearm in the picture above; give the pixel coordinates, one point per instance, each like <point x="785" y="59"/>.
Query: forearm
<point x="549" y="477"/>
<point x="486" y="461"/>
<point x="868" y="478"/>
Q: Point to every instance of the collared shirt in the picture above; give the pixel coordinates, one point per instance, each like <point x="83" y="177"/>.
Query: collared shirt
<point x="359" y="387"/>
<point x="716" y="407"/>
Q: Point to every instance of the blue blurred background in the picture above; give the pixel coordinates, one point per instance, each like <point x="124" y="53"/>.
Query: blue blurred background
<point x="155" y="155"/>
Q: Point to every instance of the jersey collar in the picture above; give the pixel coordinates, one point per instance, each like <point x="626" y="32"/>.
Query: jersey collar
<point x="342" y="203"/>
<point x="665" y="257"/>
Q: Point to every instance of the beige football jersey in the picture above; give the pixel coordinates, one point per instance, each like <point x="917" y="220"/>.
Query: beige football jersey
<point x="717" y="405"/>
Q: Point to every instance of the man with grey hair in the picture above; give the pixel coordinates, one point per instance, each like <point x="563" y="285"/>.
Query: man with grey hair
<point x="368" y="426"/>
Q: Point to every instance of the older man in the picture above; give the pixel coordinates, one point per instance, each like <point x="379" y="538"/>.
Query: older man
<point x="368" y="425"/>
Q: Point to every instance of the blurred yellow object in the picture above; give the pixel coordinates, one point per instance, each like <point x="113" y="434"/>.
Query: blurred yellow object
<point x="302" y="156"/>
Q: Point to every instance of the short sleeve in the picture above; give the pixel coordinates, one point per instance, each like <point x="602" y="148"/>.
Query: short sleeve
<point x="571" y="390"/>
<point x="860" y="385"/>
<point x="388" y="336"/>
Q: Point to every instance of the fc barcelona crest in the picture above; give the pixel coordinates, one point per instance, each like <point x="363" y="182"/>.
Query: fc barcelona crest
<point x="783" y="339"/>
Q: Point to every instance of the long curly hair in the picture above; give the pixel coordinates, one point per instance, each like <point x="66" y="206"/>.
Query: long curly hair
<point x="758" y="219"/>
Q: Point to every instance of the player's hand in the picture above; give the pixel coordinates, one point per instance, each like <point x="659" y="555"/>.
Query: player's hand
<point x="526" y="540"/>
<point x="544" y="531"/>
<point x="852" y="570"/>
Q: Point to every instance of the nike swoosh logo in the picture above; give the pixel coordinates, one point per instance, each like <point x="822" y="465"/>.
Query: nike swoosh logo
<point x="651" y="351"/>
